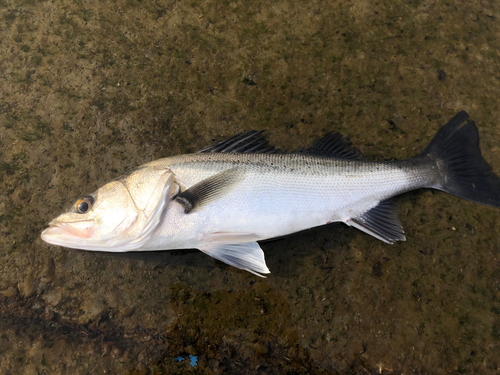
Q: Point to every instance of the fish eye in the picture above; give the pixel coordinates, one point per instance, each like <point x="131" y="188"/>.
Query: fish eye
<point x="84" y="205"/>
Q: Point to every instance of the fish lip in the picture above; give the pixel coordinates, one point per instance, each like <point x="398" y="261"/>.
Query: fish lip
<point x="58" y="232"/>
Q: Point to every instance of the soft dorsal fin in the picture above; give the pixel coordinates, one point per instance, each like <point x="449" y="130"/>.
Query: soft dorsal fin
<point x="250" y="142"/>
<point x="381" y="222"/>
<point x="209" y="189"/>
<point x="332" y="145"/>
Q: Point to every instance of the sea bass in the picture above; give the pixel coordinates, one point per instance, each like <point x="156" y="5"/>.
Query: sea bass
<point x="225" y="198"/>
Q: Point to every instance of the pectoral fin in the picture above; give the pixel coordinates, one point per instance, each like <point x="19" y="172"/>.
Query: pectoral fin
<point x="247" y="256"/>
<point x="210" y="189"/>
<point x="380" y="222"/>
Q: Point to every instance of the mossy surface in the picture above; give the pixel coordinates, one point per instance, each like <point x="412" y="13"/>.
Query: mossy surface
<point x="92" y="89"/>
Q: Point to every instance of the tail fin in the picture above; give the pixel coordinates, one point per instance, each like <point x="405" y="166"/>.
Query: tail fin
<point x="465" y="173"/>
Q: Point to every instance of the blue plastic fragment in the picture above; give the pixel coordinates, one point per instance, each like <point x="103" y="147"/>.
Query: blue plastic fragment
<point x="178" y="359"/>
<point x="194" y="360"/>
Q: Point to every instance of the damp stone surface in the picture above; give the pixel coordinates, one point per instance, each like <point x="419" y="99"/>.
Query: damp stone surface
<point x="91" y="89"/>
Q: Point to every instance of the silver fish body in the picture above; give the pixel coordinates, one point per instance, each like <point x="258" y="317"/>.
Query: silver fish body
<point x="278" y="194"/>
<point x="240" y="191"/>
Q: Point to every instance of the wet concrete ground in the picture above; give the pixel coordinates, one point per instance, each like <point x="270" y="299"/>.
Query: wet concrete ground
<point x="92" y="89"/>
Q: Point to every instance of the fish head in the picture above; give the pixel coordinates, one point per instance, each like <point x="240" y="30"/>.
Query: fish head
<point x="120" y="216"/>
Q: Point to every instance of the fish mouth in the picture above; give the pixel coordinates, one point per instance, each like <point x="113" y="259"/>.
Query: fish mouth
<point x="65" y="234"/>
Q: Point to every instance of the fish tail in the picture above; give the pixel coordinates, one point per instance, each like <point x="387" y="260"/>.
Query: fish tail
<point x="463" y="171"/>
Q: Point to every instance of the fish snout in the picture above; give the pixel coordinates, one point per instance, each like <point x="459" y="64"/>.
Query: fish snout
<point x="79" y="229"/>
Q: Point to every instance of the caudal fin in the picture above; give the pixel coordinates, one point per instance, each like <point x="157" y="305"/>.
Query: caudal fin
<point x="464" y="171"/>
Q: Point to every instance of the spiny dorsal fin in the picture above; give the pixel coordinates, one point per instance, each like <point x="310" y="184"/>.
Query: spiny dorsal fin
<point x="250" y="142"/>
<point x="333" y="145"/>
<point x="381" y="222"/>
<point x="209" y="189"/>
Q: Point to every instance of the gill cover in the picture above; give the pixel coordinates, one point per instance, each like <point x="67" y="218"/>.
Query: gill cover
<point x="149" y="188"/>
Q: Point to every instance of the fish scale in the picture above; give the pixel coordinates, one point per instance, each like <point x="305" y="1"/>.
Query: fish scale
<point x="276" y="188"/>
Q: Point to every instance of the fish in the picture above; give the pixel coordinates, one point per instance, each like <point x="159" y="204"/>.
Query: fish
<point x="227" y="197"/>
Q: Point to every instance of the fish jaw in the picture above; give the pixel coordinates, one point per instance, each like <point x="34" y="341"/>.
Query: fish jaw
<point x="67" y="234"/>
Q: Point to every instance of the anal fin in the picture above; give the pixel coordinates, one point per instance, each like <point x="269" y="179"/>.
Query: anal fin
<point x="381" y="222"/>
<point x="247" y="256"/>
